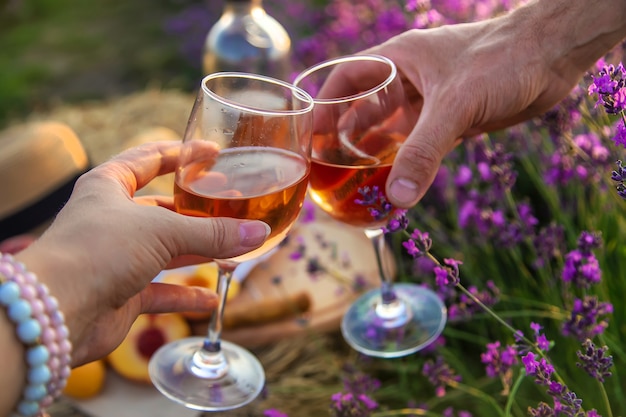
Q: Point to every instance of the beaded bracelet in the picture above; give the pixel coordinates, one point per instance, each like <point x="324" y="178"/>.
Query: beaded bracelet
<point x="40" y="326"/>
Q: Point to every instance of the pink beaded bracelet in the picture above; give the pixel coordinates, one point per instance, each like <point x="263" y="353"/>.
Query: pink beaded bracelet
<point x="41" y="327"/>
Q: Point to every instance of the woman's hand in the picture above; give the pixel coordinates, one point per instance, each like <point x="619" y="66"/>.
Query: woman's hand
<point x="106" y="245"/>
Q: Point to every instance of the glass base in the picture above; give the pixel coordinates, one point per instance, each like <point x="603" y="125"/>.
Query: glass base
<point x="407" y="325"/>
<point x="175" y="372"/>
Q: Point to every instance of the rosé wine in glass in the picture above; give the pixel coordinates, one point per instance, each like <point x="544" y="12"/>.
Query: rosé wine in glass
<point x="359" y="125"/>
<point x="246" y="154"/>
<point x="270" y="185"/>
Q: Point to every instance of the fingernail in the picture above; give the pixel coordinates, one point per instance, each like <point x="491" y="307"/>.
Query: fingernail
<point x="405" y="191"/>
<point x="253" y="233"/>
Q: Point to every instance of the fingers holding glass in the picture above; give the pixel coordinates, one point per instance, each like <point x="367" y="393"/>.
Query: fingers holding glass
<point x="246" y="155"/>
<point x="361" y="119"/>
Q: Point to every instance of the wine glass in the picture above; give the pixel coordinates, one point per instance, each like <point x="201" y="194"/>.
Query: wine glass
<point x="358" y="127"/>
<point x="246" y="154"/>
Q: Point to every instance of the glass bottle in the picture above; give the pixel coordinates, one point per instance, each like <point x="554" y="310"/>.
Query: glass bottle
<point x="247" y="39"/>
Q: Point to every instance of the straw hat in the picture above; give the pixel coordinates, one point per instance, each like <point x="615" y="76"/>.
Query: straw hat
<point x="39" y="163"/>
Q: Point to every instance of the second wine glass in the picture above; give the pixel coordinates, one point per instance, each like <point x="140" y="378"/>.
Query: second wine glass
<point x="246" y="154"/>
<point x="359" y="125"/>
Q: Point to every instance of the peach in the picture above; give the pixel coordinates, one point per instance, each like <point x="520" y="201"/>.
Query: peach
<point x="205" y="275"/>
<point x="87" y="380"/>
<point x="148" y="333"/>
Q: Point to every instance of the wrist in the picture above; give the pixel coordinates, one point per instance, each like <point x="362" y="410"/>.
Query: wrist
<point x="572" y="35"/>
<point x="53" y="269"/>
<point x="40" y="327"/>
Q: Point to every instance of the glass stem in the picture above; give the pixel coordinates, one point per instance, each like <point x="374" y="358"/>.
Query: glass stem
<point x="210" y="362"/>
<point x="377" y="237"/>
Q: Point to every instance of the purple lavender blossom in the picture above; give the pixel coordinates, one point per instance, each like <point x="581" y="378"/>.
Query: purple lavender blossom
<point x="609" y="85"/>
<point x="595" y="361"/>
<point x="542" y="410"/>
<point x="498" y="361"/>
<point x="540" y="368"/>
<point x="447" y="275"/>
<point x="399" y="221"/>
<point x="482" y="197"/>
<point x="588" y="241"/>
<point x="619" y="176"/>
<point x="620" y="134"/>
<point x="566" y="403"/>
<point x="439" y="374"/>
<point x="587" y="318"/>
<point x="561" y="168"/>
<point x="351" y="405"/>
<point x="581" y="267"/>
<point x="375" y="201"/>
<point x="540" y="338"/>
<point x="463" y="177"/>
<point x="582" y="160"/>
<point x="419" y="243"/>
<point x="582" y="271"/>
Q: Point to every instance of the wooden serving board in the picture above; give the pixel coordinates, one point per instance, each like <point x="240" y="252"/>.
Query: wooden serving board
<point x="345" y="254"/>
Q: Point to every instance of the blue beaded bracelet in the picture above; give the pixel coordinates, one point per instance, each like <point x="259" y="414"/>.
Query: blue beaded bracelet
<point x="40" y="326"/>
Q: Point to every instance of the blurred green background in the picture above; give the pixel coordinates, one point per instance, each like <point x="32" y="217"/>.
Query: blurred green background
<point x="63" y="51"/>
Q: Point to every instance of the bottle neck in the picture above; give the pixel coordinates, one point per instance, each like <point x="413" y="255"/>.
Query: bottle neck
<point x="240" y="6"/>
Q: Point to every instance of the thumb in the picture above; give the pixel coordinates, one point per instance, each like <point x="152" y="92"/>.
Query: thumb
<point x="219" y="237"/>
<point x="418" y="159"/>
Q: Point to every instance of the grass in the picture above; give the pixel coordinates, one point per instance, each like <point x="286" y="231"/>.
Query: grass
<point x="54" y="51"/>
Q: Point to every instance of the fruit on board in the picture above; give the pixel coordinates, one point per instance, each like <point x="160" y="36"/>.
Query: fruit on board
<point x="205" y="275"/>
<point x="87" y="380"/>
<point x="148" y="333"/>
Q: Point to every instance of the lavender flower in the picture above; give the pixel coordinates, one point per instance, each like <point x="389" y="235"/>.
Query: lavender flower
<point x="566" y="403"/>
<point x="620" y="134"/>
<point x="619" y="176"/>
<point x="375" y="201"/>
<point x="540" y="368"/>
<point x="499" y="361"/>
<point x="583" y="271"/>
<point x="419" y="243"/>
<point x="439" y="374"/>
<point x="540" y="338"/>
<point x="582" y="159"/>
<point x="447" y="275"/>
<point x="351" y="405"/>
<point x="609" y="85"/>
<point x="587" y="318"/>
<point x="399" y="221"/>
<point x="581" y="266"/>
<point x="588" y="241"/>
<point x="542" y="410"/>
<point x="594" y="361"/>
